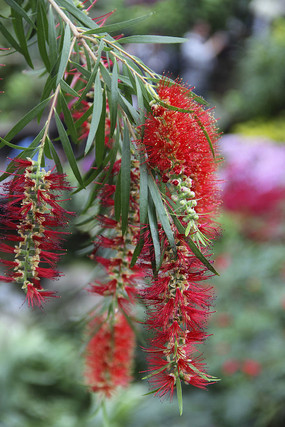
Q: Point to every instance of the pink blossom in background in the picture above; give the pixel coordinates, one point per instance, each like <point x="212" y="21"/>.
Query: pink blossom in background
<point x="253" y="176"/>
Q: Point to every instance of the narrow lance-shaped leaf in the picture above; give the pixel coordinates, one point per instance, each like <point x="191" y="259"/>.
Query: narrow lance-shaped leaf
<point x="118" y="202"/>
<point x="10" y="38"/>
<point x="77" y="13"/>
<point x="191" y="244"/>
<point x="154" y="233"/>
<point x="42" y="34"/>
<point x="93" y="73"/>
<point x="100" y="134"/>
<point x="21" y="11"/>
<point x="140" y="100"/>
<point x="206" y="135"/>
<point x="129" y="109"/>
<point x="68" y="119"/>
<point x="26" y="119"/>
<point x="52" y="38"/>
<point x="68" y="89"/>
<point x="65" y="54"/>
<point x="161" y="212"/>
<point x="119" y="26"/>
<point x="152" y="39"/>
<point x="143" y="189"/>
<point x="113" y="100"/>
<point x="125" y="177"/>
<point x="96" y="114"/>
<point x="67" y="148"/>
<point x="179" y="395"/>
<point x="14" y="146"/>
<point x="55" y="156"/>
<point x="19" y="30"/>
<point x="29" y="152"/>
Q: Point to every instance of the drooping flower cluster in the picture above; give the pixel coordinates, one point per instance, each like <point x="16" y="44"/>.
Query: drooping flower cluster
<point x="109" y="354"/>
<point x="176" y="142"/>
<point x="178" y="145"/>
<point x="122" y="278"/>
<point x="30" y="223"/>
<point x="108" y="367"/>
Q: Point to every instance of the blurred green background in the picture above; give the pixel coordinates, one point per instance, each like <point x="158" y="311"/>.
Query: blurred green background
<point x="41" y="351"/>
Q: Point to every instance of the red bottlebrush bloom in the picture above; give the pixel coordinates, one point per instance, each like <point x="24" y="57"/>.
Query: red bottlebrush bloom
<point x="177" y="147"/>
<point x="32" y="212"/>
<point x="109" y="354"/>
<point x="122" y="278"/>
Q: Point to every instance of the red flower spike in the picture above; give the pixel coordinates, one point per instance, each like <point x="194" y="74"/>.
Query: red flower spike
<point x="177" y="146"/>
<point x="109" y="354"/>
<point x="31" y="215"/>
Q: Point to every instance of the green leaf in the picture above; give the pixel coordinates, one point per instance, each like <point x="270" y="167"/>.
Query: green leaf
<point x="21" y="11"/>
<point x="55" y="156"/>
<point x="140" y="100"/>
<point x="100" y="135"/>
<point x="26" y="119"/>
<point x="28" y="152"/>
<point x="196" y="251"/>
<point x="157" y="371"/>
<point x="119" y="26"/>
<point x="65" y="54"/>
<point x="172" y="107"/>
<point x="20" y="33"/>
<point x="206" y="134"/>
<point x="52" y="42"/>
<point x="84" y="117"/>
<point x="67" y="148"/>
<point x="81" y="69"/>
<point x="161" y="212"/>
<point x="87" y="56"/>
<point x="96" y="114"/>
<point x="49" y="87"/>
<point x="14" y="146"/>
<point x="77" y="13"/>
<point x="92" y="74"/>
<point x="151" y="39"/>
<point x="42" y="34"/>
<point x="114" y="98"/>
<point x="143" y="190"/>
<point x="10" y="38"/>
<point x="137" y="251"/>
<point x="179" y="395"/>
<point x="64" y="86"/>
<point x="129" y="109"/>
<point x="143" y="208"/>
<point x="151" y="392"/>
<point x="154" y="233"/>
<point x="68" y="119"/>
<point x="125" y="177"/>
<point x="106" y="76"/>
<point x="118" y="202"/>
<point x="99" y="185"/>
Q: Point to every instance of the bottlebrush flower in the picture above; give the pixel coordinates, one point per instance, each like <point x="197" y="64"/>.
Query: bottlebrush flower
<point x="122" y="278"/>
<point x="177" y="310"/>
<point x="32" y="214"/>
<point x="177" y="146"/>
<point x="176" y="143"/>
<point x="109" y="354"/>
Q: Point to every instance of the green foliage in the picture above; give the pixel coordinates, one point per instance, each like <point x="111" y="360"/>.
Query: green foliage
<point x="175" y="18"/>
<point x="271" y="128"/>
<point x="40" y="379"/>
<point x="259" y="77"/>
